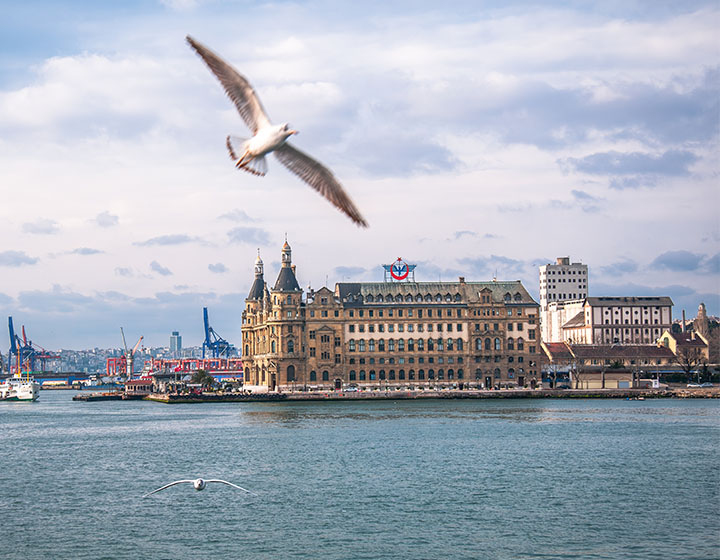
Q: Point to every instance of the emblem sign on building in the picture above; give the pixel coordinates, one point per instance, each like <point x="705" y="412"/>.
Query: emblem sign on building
<point x="399" y="271"/>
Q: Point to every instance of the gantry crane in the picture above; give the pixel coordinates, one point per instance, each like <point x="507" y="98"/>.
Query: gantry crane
<point x="214" y="343"/>
<point x="129" y="354"/>
<point x="25" y="352"/>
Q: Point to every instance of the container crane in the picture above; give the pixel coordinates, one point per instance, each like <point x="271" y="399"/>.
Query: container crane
<point x="214" y="343"/>
<point x="25" y="351"/>
<point x="129" y="354"/>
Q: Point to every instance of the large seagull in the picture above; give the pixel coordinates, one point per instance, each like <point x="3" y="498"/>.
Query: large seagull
<point x="249" y="154"/>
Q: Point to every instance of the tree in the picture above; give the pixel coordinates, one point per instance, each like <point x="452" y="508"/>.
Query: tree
<point x="688" y="358"/>
<point x="202" y="377"/>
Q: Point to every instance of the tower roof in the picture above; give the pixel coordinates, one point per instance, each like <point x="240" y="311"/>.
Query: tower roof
<point x="286" y="281"/>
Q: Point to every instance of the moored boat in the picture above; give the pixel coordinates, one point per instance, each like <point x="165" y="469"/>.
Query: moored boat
<point x="19" y="387"/>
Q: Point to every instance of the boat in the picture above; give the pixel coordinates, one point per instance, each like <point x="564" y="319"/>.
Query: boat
<point x="19" y="387"/>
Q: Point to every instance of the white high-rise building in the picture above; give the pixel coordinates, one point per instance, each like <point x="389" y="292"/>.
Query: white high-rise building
<point x="559" y="283"/>
<point x="176" y="344"/>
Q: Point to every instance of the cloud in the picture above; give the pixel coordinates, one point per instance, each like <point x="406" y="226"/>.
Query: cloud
<point x="173" y="239"/>
<point x="678" y="261"/>
<point x="86" y="251"/>
<point x="41" y="226"/>
<point x="16" y="258"/>
<point x="249" y="235"/>
<point x="217" y="268"/>
<point x="106" y="219"/>
<point x="505" y="267"/>
<point x="634" y="169"/>
<point x="712" y="264"/>
<point x="236" y="215"/>
<point x="624" y="266"/>
<point x="459" y="234"/>
<point x="348" y="271"/>
<point x="124" y="271"/>
<point x="157" y="267"/>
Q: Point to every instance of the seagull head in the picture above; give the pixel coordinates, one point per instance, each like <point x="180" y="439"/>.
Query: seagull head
<point x="289" y="131"/>
<point x="199" y="484"/>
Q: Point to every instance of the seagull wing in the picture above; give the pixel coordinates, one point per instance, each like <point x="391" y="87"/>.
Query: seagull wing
<point x="233" y="485"/>
<point x="236" y="86"/>
<point x="167" y="486"/>
<point x="319" y="178"/>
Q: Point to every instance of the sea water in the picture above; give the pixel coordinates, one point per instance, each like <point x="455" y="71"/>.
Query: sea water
<point x="446" y="479"/>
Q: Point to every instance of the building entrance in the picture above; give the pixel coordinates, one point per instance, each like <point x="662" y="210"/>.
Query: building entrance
<point x="338" y="384"/>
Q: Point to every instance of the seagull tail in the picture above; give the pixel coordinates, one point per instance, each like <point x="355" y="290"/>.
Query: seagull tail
<point x="235" y="146"/>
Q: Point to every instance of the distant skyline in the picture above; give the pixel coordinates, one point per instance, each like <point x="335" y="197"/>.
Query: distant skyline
<point x="477" y="138"/>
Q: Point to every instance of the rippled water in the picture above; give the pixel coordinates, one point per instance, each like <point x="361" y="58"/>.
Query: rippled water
<point x="362" y="480"/>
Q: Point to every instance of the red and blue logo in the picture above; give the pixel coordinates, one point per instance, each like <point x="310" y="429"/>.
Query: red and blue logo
<point x="399" y="270"/>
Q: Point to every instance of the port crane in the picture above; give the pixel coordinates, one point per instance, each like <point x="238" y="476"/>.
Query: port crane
<point x="216" y="345"/>
<point x="25" y="351"/>
<point x="129" y="356"/>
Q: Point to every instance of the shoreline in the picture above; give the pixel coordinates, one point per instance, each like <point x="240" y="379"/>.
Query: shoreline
<point x="623" y="394"/>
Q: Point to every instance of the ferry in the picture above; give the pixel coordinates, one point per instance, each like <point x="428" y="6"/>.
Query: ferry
<point x="19" y="388"/>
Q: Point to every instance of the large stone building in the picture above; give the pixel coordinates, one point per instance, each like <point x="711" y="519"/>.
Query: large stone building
<point x="559" y="283"/>
<point x="388" y="334"/>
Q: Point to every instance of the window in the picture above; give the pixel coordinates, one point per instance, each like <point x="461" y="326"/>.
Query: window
<point x="411" y="345"/>
<point x="272" y="346"/>
<point x="313" y="376"/>
<point x="361" y="345"/>
<point x="353" y="375"/>
<point x="291" y="373"/>
<point x="371" y="345"/>
<point x="420" y="344"/>
<point x="312" y="352"/>
<point x="497" y="344"/>
<point x="488" y="344"/>
<point x="391" y="345"/>
<point x="362" y="375"/>
<point x="381" y="345"/>
<point x="325" y="376"/>
<point x="351" y="345"/>
<point x="450" y="342"/>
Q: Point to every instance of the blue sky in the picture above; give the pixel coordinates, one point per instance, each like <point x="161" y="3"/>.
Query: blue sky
<point x="475" y="137"/>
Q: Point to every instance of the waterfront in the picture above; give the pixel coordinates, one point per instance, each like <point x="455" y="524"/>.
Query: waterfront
<point x="391" y="479"/>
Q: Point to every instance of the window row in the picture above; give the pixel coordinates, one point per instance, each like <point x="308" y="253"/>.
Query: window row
<point x="401" y="345"/>
<point x="420" y="375"/>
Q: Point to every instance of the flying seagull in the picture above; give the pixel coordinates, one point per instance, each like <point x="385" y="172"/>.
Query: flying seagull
<point x="199" y="484"/>
<point x="249" y="154"/>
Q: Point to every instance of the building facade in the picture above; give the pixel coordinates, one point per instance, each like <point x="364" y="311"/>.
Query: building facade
<point x="388" y="334"/>
<point x="175" y="344"/>
<point x="559" y="283"/>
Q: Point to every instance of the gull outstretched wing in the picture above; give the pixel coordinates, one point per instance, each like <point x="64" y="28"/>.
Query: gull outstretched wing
<point x="320" y="178"/>
<point x="233" y="485"/>
<point x="236" y="86"/>
<point x="167" y="486"/>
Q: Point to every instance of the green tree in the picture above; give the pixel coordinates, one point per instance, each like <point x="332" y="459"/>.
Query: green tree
<point x="202" y="377"/>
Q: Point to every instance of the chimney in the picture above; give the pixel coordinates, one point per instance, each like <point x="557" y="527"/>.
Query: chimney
<point x="462" y="279"/>
<point x="683" y="323"/>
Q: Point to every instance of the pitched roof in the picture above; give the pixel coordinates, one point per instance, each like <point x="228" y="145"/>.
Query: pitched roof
<point x="286" y="281"/>
<point x="577" y="321"/>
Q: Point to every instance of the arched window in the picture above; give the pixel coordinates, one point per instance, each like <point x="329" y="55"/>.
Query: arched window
<point x="391" y="345"/>
<point x="451" y="374"/>
<point x="496" y="373"/>
<point x="291" y="346"/>
<point x="478" y="344"/>
<point x="272" y="346"/>
<point x="457" y="297"/>
<point x="313" y="376"/>
<point x="441" y="374"/>
<point x="520" y="344"/>
<point x="431" y="374"/>
<point x="510" y="344"/>
<point x="450" y="343"/>
<point x="325" y="376"/>
<point x="488" y="344"/>
<point x="511" y="373"/>
<point x="247" y="349"/>
<point x="351" y="345"/>
<point x="431" y="345"/>
<point x="497" y="344"/>
<point x="361" y="345"/>
<point x="401" y="345"/>
<point x="382" y="374"/>
<point x="460" y="344"/>
<point x="291" y="373"/>
<point x="411" y="345"/>
<point x="380" y="298"/>
<point x="371" y="345"/>
<point x="362" y="375"/>
<point x="460" y="373"/>
<point x="353" y="375"/>
<point x="421" y="344"/>
<point x="372" y="375"/>
<point x="507" y="297"/>
<point x="421" y="374"/>
<point x="438" y="297"/>
<point x="408" y="298"/>
<point x="439" y="344"/>
<point x="369" y="298"/>
<point x="448" y="297"/>
<point x="398" y="298"/>
<point x="428" y="297"/>
<point x="381" y="345"/>
<point x="517" y="296"/>
<point x="411" y="374"/>
<point x="478" y="373"/>
<point x="418" y="297"/>
<point x="401" y="374"/>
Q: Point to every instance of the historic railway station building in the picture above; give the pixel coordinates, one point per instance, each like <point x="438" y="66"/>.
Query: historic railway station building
<point x="397" y="333"/>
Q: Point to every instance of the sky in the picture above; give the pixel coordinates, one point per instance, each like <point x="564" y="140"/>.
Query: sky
<point x="478" y="139"/>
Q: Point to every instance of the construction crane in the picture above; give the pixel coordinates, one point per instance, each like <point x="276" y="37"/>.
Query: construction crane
<point x="214" y="343"/>
<point x="129" y="354"/>
<point x="25" y="351"/>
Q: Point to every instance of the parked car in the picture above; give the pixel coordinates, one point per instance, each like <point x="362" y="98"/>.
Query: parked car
<point x="706" y="384"/>
<point x="693" y="385"/>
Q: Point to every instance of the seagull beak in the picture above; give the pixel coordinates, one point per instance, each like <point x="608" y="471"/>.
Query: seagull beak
<point x="293" y="131"/>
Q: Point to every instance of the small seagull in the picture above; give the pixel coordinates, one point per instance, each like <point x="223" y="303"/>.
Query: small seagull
<point x="199" y="484"/>
<point x="249" y="154"/>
